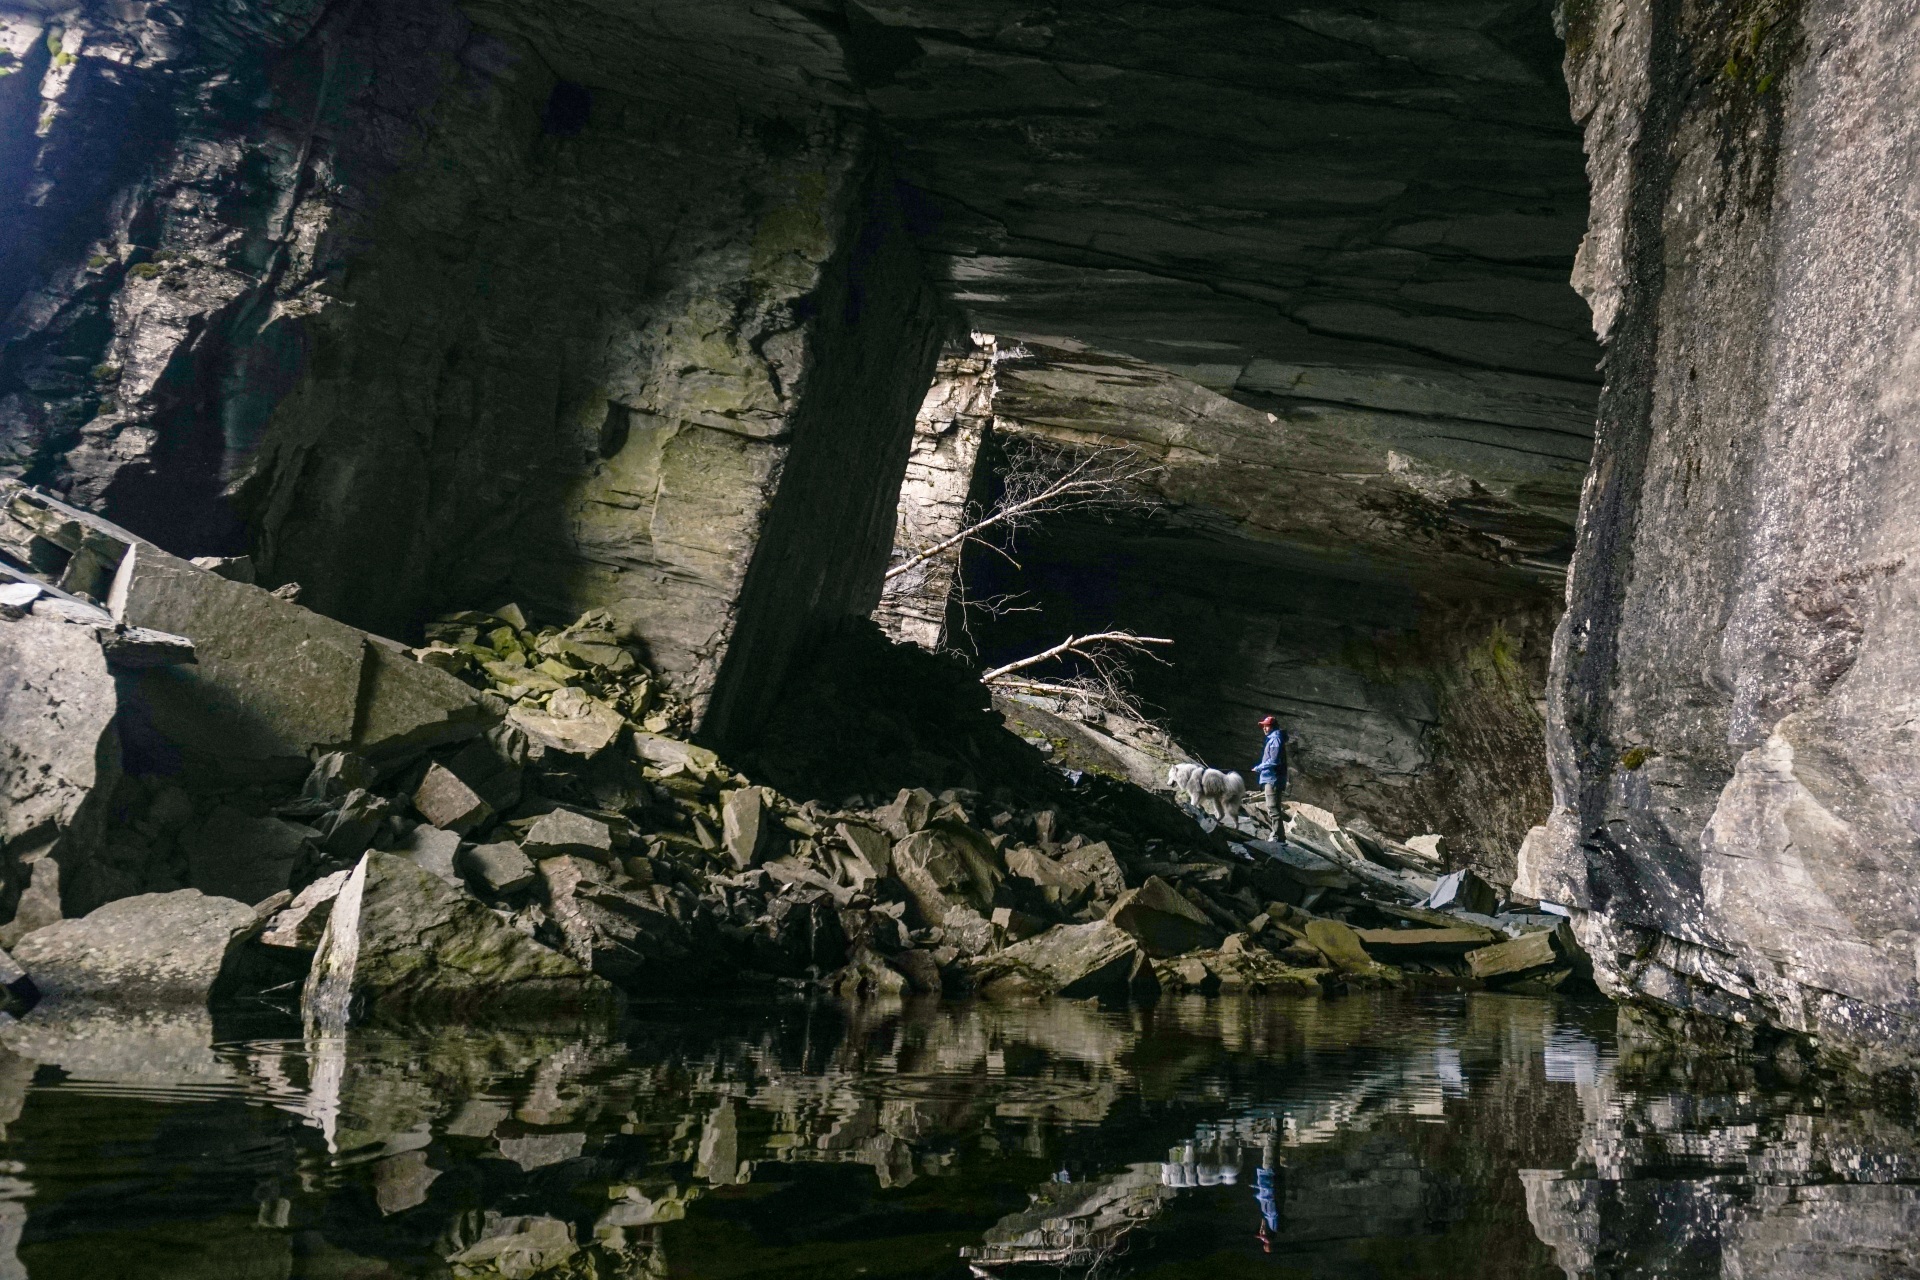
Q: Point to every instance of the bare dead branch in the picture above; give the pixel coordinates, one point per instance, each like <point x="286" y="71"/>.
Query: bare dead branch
<point x="1042" y="480"/>
<point x="1081" y="646"/>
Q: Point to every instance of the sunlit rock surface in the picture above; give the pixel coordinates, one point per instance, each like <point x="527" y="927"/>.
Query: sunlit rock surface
<point x="1732" y="737"/>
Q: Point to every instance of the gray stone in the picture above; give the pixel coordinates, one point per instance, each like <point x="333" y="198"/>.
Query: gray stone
<point x="432" y="849"/>
<point x="502" y="867"/>
<point x="447" y="802"/>
<point x="1543" y="949"/>
<point x="402" y="942"/>
<point x="59" y="751"/>
<point x="908" y="813"/>
<point x="1164" y="923"/>
<point x="351" y="828"/>
<point x="749" y="829"/>
<point x="401" y="1182"/>
<point x="1097" y="862"/>
<point x="565" y="832"/>
<point x="1063" y="885"/>
<point x="664" y="752"/>
<point x="232" y="855"/>
<point x="872" y="847"/>
<point x="298" y="925"/>
<point x="948" y="865"/>
<point x="148" y="951"/>
<point x="1301" y="865"/>
<point x="1077" y="962"/>
<point x="1464" y="891"/>
<point x="619" y="935"/>
<point x="573" y="722"/>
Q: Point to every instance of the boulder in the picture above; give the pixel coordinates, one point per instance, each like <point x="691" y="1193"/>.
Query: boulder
<point x="1301" y="865"/>
<point x="563" y="833"/>
<point x="1251" y="970"/>
<point x="1542" y="949"/>
<point x="909" y="812"/>
<point x="1396" y="945"/>
<point x="1431" y="848"/>
<point x="869" y="845"/>
<point x="275" y="682"/>
<point x="401" y="941"/>
<point x="946" y="865"/>
<point x="350" y="829"/>
<point x="1341" y="946"/>
<point x="502" y="867"/>
<point x="1463" y="891"/>
<point x="1163" y="922"/>
<point x="573" y="722"/>
<point x="298" y="925"/>
<point x="444" y="799"/>
<point x="749" y="829"/>
<point x="233" y="855"/>
<point x="617" y="934"/>
<point x="1097" y="862"/>
<point x="1076" y="961"/>
<point x="432" y="849"/>
<point x="490" y="766"/>
<point x="1063" y="886"/>
<point x="59" y="752"/>
<point x="149" y="951"/>
<point x="663" y="752"/>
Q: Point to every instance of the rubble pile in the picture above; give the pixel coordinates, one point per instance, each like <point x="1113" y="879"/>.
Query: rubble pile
<point x="512" y="818"/>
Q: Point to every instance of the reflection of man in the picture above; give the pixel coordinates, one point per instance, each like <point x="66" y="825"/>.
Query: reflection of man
<point x="1266" y="1193"/>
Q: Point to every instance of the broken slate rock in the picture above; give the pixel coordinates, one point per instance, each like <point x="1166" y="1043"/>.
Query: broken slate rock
<point x="432" y="849"/>
<point x="1163" y="922"/>
<point x="749" y="829"/>
<point x="1545" y="949"/>
<point x="1097" y="862"/>
<point x="1077" y="961"/>
<point x="574" y="723"/>
<point x="1341" y="946"/>
<point x="351" y="828"/>
<point x="147" y="951"/>
<point x="446" y="801"/>
<point x="910" y="811"/>
<point x="401" y="941"/>
<point x="1393" y="946"/>
<point x="59" y="754"/>
<point x="948" y="865"/>
<point x="564" y="832"/>
<point x="501" y="868"/>
<point x="663" y="752"/>
<point x="1463" y="891"/>
<point x="232" y="855"/>
<point x="1061" y="885"/>
<point x="869" y="845"/>
<point x="298" y="925"/>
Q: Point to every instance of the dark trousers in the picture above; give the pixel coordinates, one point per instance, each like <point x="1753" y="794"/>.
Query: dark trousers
<point x="1273" y="790"/>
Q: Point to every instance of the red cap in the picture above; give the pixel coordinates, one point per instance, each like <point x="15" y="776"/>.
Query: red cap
<point x="1266" y="722"/>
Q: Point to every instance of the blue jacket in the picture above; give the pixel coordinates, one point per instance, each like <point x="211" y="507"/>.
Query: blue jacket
<point x="1273" y="761"/>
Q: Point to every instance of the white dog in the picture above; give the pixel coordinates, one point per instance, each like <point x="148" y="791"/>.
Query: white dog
<point x="1209" y="789"/>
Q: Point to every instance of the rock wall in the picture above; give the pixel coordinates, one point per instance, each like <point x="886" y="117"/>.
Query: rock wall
<point x="1732" y="730"/>
<point x="947" y="432"/>
<point x="380" y="293"/>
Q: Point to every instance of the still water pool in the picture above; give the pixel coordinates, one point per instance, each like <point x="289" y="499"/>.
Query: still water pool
<point x="1467" y="1135"/>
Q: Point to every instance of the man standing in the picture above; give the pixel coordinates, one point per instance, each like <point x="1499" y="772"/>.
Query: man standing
<point x="1271" y="773"/>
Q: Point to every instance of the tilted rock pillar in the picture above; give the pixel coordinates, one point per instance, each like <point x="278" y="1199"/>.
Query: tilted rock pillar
<point x="1733" y="724"/>
<point x="953" y="419"/>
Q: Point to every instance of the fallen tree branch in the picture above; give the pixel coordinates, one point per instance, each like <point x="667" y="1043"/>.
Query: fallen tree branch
<point x="1110" y="477"/>
<point x="1076" y="645"/>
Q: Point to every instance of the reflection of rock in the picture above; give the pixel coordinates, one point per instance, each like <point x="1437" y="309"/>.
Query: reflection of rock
<point x="537" y="1150"/>
<point x="516" y="1248"/>
<point x="401" y="1181"/>
<point x="1074" y="1224"/>
<point x="147" y="1047"/>
<point x="1735" y="1184"/>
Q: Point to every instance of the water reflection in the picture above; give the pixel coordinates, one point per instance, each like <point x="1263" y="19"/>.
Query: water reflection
<point x="1466" y="1135"/>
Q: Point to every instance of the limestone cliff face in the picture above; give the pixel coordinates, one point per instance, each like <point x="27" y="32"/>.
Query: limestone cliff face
<point x="386" y="294"/>
<point x="1733" y="739"/>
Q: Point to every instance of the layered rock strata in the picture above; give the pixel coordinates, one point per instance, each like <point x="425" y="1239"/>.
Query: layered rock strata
<point x="1732" y="736"/>
<point x="375" y="292"/>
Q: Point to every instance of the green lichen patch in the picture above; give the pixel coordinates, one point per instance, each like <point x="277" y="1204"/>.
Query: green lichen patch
<point x="1634" y="757"/>
<point x="144" y="270"/>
